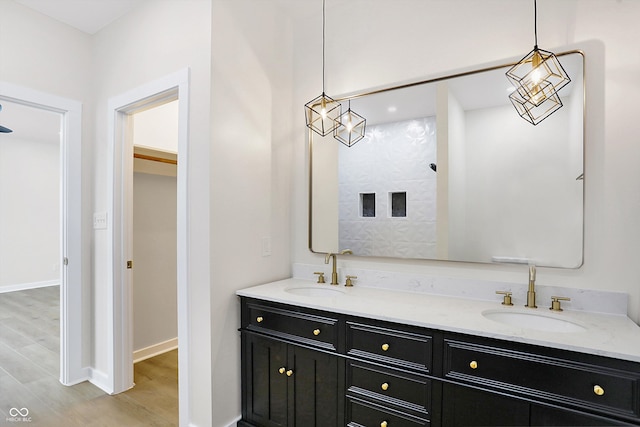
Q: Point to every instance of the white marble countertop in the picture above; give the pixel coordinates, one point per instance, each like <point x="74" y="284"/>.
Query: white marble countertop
<point x="614" y="336"/>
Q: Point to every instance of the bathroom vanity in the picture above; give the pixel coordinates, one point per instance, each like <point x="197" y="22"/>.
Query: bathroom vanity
<point x="319" y="355"/>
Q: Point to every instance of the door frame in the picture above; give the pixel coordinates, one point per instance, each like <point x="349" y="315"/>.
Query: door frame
<point x="72" y="293"/>
<point x="119" y="303"/>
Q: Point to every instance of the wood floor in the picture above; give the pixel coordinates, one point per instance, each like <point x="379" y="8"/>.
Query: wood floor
<point x="29" y="371"/>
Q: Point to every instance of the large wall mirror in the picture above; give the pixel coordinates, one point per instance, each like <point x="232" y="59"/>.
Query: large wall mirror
<point x="449" y="171"/>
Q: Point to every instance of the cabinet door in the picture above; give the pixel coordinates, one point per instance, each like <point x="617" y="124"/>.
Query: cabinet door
<point x="546" y="416"/>
<point x="464" y="406"/>
<point x="316" y="395"/>
<point x="265" y="388"/>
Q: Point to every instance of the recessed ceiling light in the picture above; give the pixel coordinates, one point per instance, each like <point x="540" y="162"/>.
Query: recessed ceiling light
<point x="392" y="109"/>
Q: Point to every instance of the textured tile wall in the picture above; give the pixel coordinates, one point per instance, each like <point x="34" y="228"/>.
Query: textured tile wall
<point x="393" y="157"/>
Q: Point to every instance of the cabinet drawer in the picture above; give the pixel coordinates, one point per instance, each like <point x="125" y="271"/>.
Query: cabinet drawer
<point x="299" y="326"/>
<point x="544" y="376"/>
<point x="361" y="413"/>
<point x="389" y="386"/>
<point x="402" y="346"/>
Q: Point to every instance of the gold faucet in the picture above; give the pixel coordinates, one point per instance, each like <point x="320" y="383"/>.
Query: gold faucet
<point x="334" y="272"/>
<point x="531" y="294"/>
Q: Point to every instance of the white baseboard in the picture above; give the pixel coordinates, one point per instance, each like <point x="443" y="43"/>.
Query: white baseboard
<point x="82" y="375"/>
<point x="25" y="286"/>
<point x="154" y="350"/>
<point x="100" y="380"/>
<point x="235" y="422"/>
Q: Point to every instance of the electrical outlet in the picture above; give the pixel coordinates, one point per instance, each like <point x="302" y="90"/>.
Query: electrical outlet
<point x="266" y="246"/>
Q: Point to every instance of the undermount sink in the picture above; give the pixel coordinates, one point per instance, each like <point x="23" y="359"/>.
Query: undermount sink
<point x="533" y="320"/>
<point x="316" y="291"/>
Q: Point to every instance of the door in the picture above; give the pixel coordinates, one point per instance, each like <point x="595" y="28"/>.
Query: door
<point x="265" y="381"/>
<point x="315" y="395"/>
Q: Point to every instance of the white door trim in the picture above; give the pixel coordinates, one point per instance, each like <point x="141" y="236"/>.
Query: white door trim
<point x="72" y="368"/>
<point x="120" y="343"/>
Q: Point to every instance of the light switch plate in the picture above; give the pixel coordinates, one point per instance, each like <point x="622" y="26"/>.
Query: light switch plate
<point x="99" y="220"/>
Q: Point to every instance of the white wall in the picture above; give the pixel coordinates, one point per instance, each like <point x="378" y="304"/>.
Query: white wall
<point x="438" y="37"/>
<point x="154" y="252"/>
<point x="250" y="173"/>
<point x="30" y="198"/>
<point x="157" y="128"/>
<point x="544" y="189"/>
<point x="457" y="173"/>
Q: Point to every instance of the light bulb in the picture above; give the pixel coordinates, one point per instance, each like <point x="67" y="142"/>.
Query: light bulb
<point x="323" y="113"/>
<point x="535" y="76"/>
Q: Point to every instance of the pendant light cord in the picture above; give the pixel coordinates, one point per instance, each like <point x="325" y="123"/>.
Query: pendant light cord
<point x="323" y="25"/>
<point x="535" y="21"/>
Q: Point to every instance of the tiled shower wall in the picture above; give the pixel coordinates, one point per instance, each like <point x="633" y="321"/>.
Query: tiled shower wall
<point x="393" y="157"/>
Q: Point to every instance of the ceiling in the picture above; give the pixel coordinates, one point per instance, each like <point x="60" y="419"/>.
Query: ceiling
<point x="89" y="16"/>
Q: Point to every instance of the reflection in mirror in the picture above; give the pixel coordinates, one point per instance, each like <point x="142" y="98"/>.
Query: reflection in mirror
<point x="449" y="171"/>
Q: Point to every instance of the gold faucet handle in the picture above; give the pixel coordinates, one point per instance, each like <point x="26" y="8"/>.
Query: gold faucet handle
<point x="320" y="276"/>
<point x="555" y="303"/>
<point x="507" y="297"/>
<point x="348" y="282"/>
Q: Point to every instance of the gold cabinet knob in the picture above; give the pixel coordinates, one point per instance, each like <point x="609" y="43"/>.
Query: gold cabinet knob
<point x="385" y="347"/>
<point x="289" y="372"/>
<point x="384" y="424"/>
<point x="259" y="319"/>
<point x="598" y="390"/>
<point x="316" y="332"/>
<point x="473" y="364"/>
<point x="281" y="370"/>
<point x="385" y="386"/>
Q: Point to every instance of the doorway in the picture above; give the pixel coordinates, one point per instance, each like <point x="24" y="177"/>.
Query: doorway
<point x="174" y="87"/>
<point x="155" y="145"/>
<point x="30" y="237"/>
<point x="68" y="259"/>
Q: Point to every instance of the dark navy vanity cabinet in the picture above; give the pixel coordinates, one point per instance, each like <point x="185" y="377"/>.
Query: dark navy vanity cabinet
<point x="309" y="368"/>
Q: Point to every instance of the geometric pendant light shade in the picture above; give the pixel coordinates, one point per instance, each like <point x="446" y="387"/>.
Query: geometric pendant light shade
<point x="537" y="78"/>
<point x="322" y="112"/>
<point x="351" y="127"/>
<point x="533" y="113"/>
<point x="538" y="75"/>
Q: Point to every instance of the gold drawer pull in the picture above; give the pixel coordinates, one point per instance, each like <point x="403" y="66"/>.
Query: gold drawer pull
<point x="598" y="390"/>
<point x="385" y="347"/>
<point x="316" y="332"/>
<point x="473" y="364"/>
<point x="281" y="370"/>
<point x="289" y="372"/>
<point x="384" y="424"/>
<point x="384" y="386"/>
<point x="259" y="319"/>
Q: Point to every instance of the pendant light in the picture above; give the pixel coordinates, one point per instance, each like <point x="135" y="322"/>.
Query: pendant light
<point x="2" y="128"/>
<point x="537" y="78"/>
<point x="322" y="113"/>
<point x="351" y="127"/>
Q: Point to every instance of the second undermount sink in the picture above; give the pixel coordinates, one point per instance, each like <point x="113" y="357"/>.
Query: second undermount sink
<point x="533" y="320"/>
<point x="315" y="291"/>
